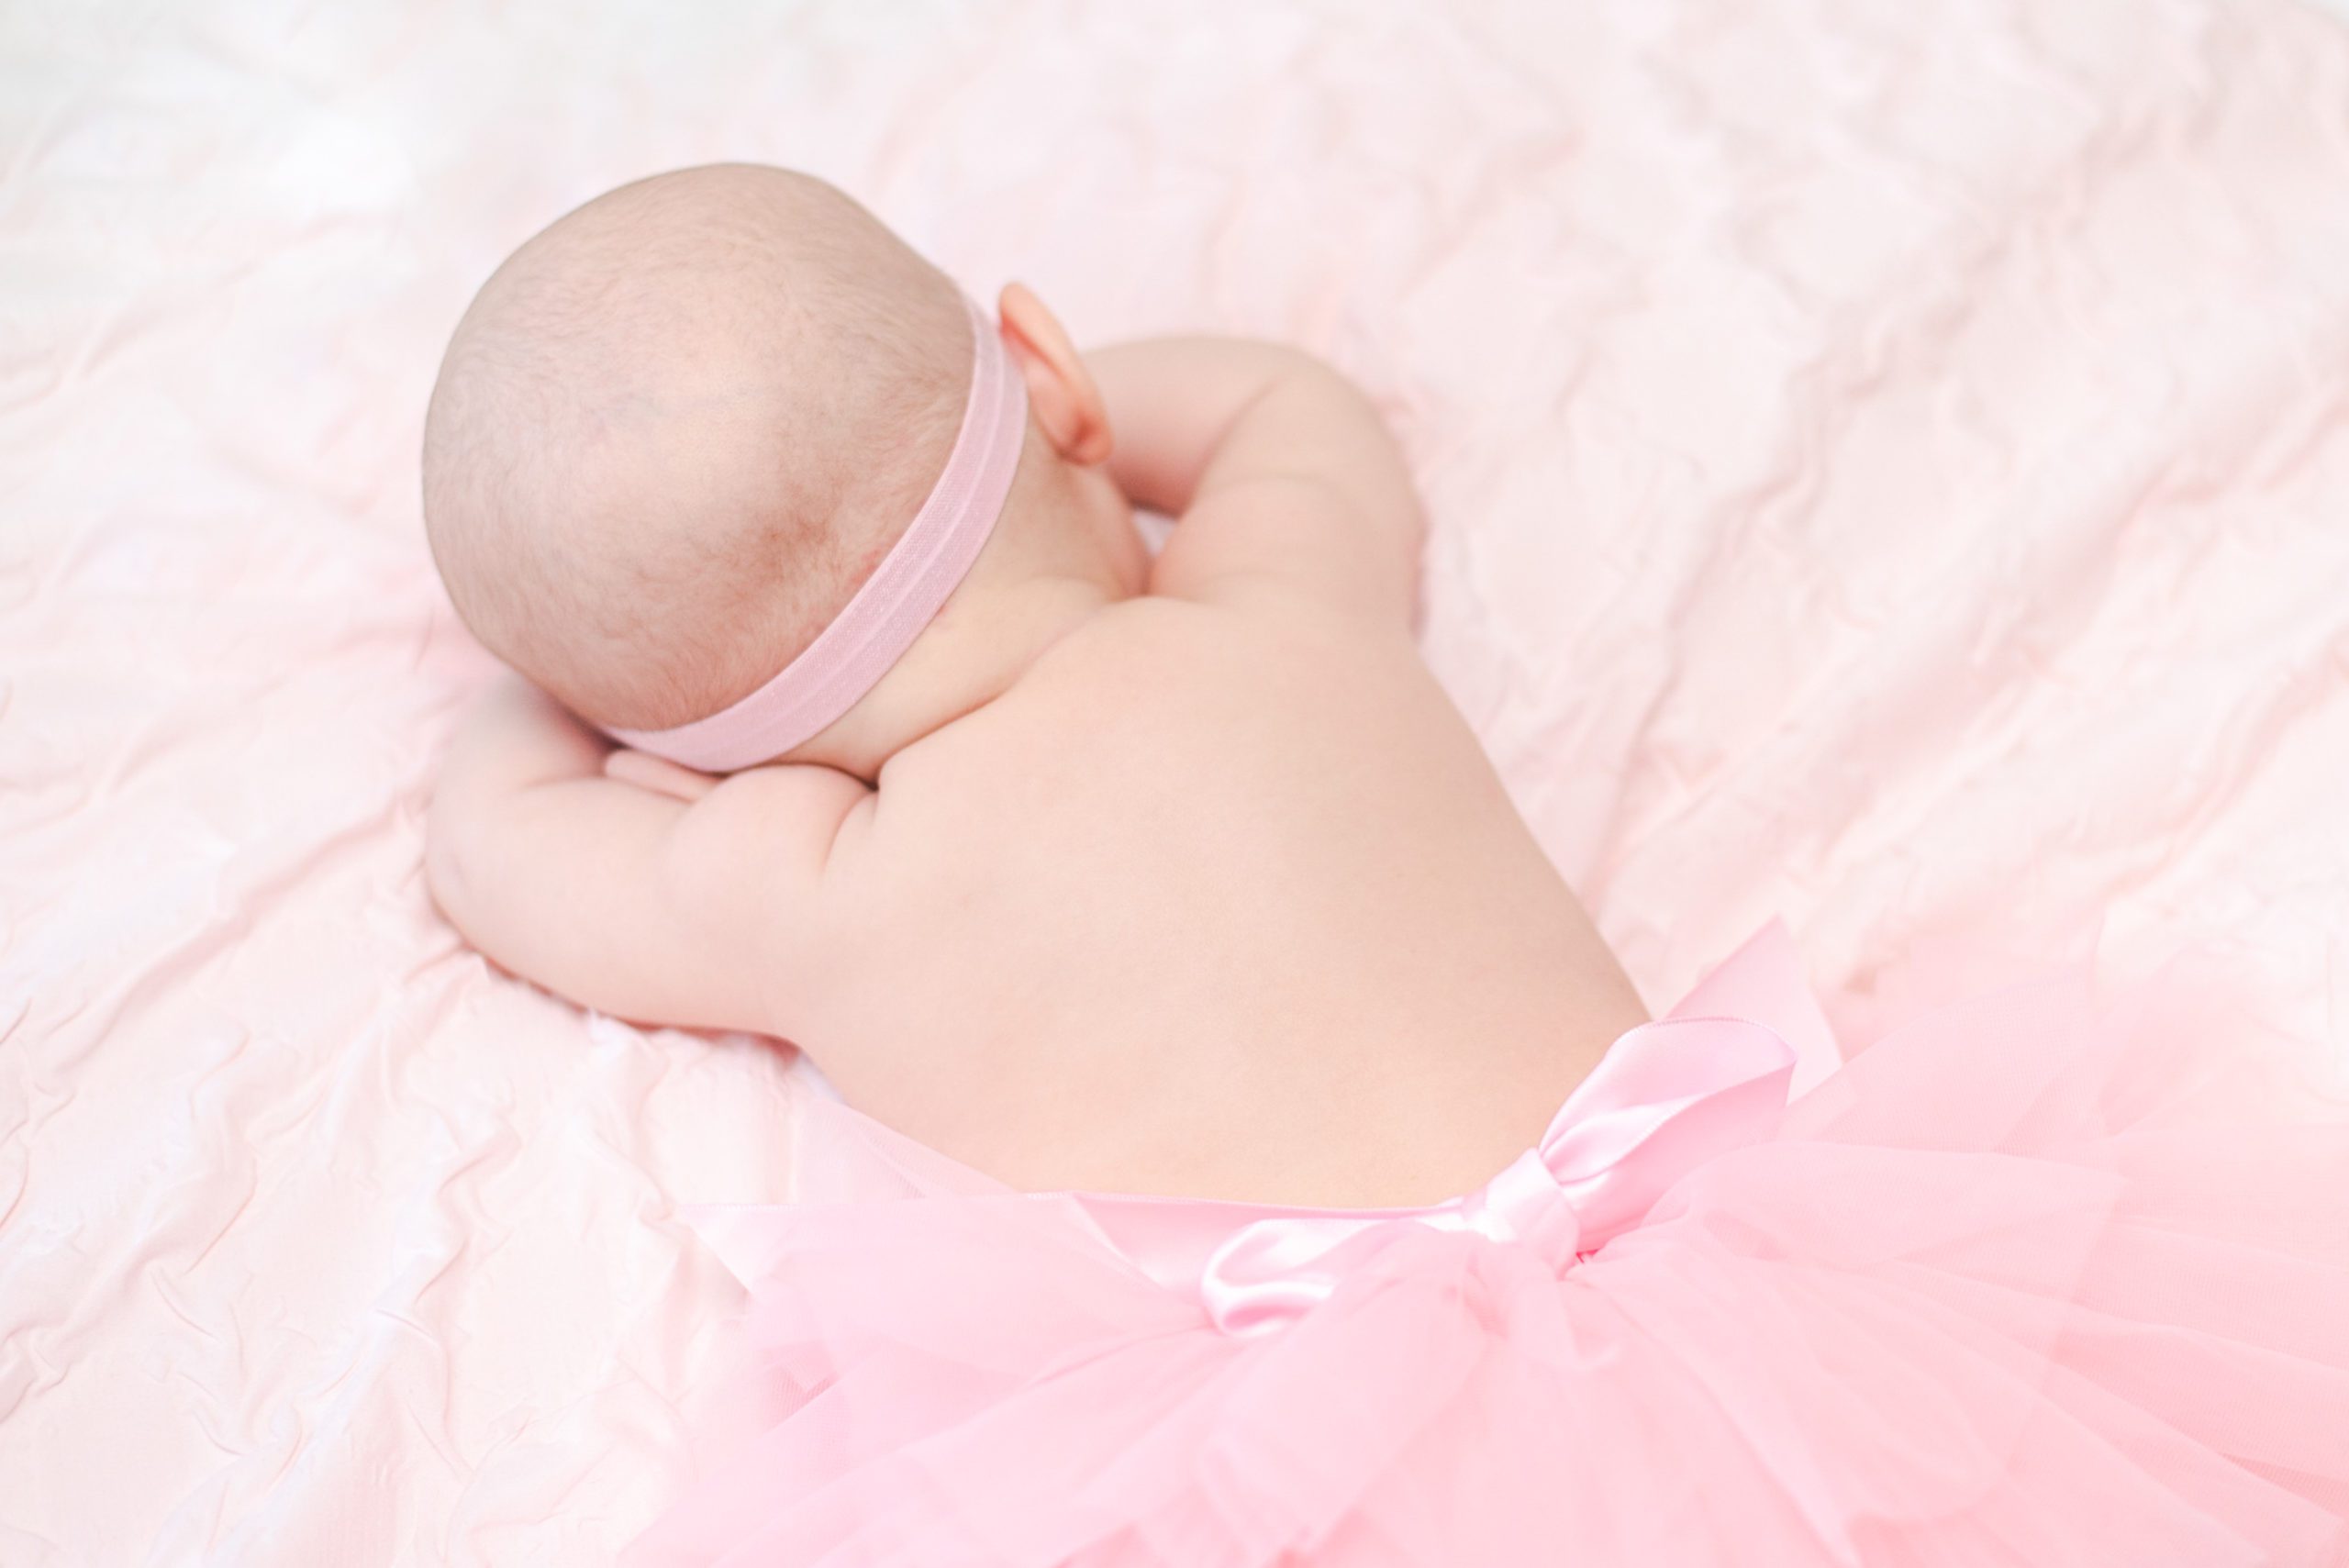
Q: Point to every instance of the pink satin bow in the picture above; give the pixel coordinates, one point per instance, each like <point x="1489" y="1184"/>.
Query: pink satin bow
<point x="1666" y="1097"/>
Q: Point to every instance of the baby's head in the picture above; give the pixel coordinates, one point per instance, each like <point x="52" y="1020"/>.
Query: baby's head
<point x="679" y="427"/>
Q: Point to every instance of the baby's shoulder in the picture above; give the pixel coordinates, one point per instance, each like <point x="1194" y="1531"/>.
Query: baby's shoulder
<point x="1149" y="689"/>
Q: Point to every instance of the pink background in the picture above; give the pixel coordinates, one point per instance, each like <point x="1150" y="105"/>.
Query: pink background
<point x="1889" y="466"/>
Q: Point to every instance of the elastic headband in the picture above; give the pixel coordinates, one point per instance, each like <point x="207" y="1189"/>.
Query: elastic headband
<point x="905" y="592"/>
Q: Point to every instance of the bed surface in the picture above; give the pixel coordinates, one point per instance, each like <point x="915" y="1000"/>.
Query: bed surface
<point x="1889" y="467"/>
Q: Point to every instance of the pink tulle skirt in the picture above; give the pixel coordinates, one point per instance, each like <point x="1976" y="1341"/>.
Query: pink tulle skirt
<point x="2029" y="1281"/>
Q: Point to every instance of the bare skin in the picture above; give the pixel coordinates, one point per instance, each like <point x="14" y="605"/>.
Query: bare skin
<point x="1176" y="877"/>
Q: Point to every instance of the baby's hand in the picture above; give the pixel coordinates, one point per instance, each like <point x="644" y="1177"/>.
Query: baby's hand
<point x="658" y="774"/>
<point x="625" y="883"/>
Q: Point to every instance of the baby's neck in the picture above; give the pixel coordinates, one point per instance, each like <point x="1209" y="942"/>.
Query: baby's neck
<point x="970" y="656"/>
<point x="1066" y="548"/>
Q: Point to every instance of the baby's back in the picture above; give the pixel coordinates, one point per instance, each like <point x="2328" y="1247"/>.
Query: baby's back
<point x="1215" y="896"/>
<point x="1219" y="899"/>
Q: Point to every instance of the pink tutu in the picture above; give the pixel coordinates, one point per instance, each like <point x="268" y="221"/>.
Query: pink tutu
<point x="2022" y="1282"/>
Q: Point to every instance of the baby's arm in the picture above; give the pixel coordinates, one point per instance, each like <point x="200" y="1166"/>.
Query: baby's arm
<point x="637" y="902"/>
<point x="1277" y="466"/>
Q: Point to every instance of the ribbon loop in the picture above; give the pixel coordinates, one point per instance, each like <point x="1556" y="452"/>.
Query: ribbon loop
<point x="1667" y="1098"/>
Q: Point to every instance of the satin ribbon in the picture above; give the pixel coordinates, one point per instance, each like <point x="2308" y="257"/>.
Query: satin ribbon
<point x="1667" y="1098"/>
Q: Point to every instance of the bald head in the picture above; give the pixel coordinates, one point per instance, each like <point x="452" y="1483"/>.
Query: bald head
<point x="678" y="427"/>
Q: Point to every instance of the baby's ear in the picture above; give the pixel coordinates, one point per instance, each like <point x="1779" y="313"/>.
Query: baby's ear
<point x="1061" y="393"/>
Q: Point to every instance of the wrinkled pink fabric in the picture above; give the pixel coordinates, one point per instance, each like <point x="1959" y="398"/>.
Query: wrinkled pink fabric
<point x="1887" y="464"/>
<point x="2041" y="1278"/>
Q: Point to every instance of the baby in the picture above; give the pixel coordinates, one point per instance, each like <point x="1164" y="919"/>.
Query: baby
<point x="1174" y="876"/>
<point x="1314" y="1188"/>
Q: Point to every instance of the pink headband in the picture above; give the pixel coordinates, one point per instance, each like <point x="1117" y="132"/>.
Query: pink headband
<point x="895" y="602"/>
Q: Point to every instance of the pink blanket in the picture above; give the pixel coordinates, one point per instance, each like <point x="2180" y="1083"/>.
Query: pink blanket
<point x="1889" y="465"/>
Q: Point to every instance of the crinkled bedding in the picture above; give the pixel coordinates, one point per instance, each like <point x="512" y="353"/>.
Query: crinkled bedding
<point x="1889" y="465"/>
